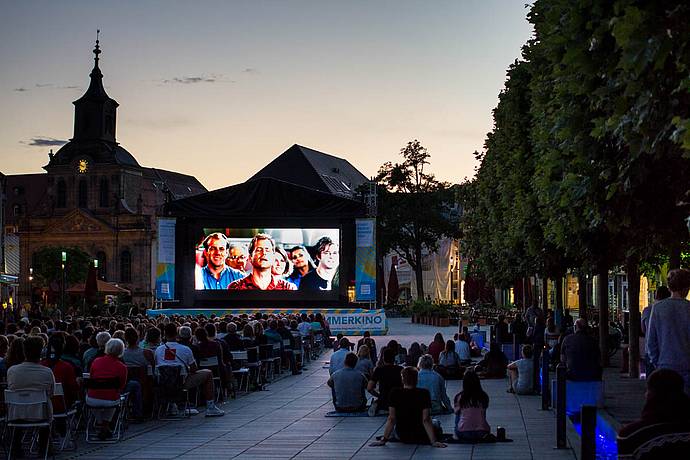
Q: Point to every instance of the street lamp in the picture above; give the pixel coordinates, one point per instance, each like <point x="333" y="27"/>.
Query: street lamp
<point x="62" y="294"/>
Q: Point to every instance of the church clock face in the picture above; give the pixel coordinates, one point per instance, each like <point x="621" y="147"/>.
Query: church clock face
<point x="82" y="166"/>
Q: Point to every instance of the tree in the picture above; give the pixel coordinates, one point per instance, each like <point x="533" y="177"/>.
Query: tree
<point x="415" y="209"/>
<point x="47" y="265"/>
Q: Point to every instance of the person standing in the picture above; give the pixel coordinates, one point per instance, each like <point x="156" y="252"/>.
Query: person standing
<point x="668" y="341"/>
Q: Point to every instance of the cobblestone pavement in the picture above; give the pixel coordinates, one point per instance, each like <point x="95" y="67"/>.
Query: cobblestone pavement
<point x="287" y="421"/>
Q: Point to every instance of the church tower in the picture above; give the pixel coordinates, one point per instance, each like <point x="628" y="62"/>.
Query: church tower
<point x="95" y="112"/>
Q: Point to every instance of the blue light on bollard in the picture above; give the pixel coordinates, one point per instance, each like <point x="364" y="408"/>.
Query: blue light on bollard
<point x="588" y="418"/>
<point x="545" y="390"/>
<point x="561" y="442"/>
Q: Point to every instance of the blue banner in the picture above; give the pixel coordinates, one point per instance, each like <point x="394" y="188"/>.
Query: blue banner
<point x="365" y="260"/>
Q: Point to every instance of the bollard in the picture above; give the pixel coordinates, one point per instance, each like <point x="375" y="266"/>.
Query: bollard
<point x="560" y="407"/>
<point x="536" y="369"/>
<point x="588" y="418"/>
<point x="516" y="348"/>
<point x="545" y="390"/>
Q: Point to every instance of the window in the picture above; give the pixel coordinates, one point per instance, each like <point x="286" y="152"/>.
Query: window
<point x="17" y="210"/>
<point x="83" y="195"/>
<point x="126" y="267"/>
<point x="103" y="198"/>
<point x="61" y="201"/>
<point x="102" y="268"/>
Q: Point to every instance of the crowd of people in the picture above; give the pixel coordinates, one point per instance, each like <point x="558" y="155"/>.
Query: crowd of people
<point x="98" y="359"/>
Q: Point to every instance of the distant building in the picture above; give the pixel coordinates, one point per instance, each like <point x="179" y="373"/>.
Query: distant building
<point x="94" y="196"/>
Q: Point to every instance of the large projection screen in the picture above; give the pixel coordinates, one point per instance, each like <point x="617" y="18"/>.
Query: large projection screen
<point x="267" y="263"/>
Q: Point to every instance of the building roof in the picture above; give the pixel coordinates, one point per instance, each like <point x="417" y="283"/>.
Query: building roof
<point x="101" y="152"/>
<point x="176" y="184"/>
<point x="313" y="169"/>
<point x="25" y="190"/>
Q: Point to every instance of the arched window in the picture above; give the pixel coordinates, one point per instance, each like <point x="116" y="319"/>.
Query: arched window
<point x="17" y="210"/>
<point x="83" y="196"/>
<point x="61" y="201"/>
<point x="126" y="267"/>
<point x="103" y="198"/>
<point x="102" y="267"/>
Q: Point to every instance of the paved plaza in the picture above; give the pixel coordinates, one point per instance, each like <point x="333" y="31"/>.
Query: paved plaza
<point x="287" y="421"/>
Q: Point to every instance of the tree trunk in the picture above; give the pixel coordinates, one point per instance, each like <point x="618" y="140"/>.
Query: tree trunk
<point x="558" y="311"/>
<point x="545" y="294"/>
<point x="603" y="301"/>
<point x="418" y="273"/>
<point x="674" y="256"/>
<point x="525" y="283"/>
<point x="582" y="294"/>
<point x="633" y="271"/>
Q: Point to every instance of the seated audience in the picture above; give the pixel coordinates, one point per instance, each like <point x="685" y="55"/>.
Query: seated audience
<point x="470" y="410"/>
<point x="665" y="402"/>
<point x="477" y="337"/>
<point x="30" y="375"/>
<point x="462" y="348"/>
<point x="348" y="385"/>
<point x="580" y="354"/>
<point x="521" y="372"/>
<point x="174" y="353"/>
<point x="233" y="339"/>
<point x="364" y="364"/>
<point x="434" y="383"/>
<point x="107" y="368"/>
<point x="369" y="341"/>
<point x="62" y="371"/>
<point x="449" y="363"/>
<point x="503" y="334"/>
<point x="413" y="354"/>
<point x="437" y="346"/>
<point x="410" y="414"/>
<point x="386" y="377"/>
<point x="338" y="357"/>
<point x="96" y="351"/>
<point x="494" y="363"/>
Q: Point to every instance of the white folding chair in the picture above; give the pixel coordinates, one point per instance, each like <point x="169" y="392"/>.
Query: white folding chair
<point x="19" y="404"/>
<point x="69" y="416"/>
<point x="243" y="372"/>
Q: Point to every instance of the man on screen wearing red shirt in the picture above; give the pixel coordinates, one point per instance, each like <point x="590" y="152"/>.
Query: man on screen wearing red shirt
<point x="262" y="254"/>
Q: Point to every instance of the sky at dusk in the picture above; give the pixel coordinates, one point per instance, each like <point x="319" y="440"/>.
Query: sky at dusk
<point x="219" y="89"/>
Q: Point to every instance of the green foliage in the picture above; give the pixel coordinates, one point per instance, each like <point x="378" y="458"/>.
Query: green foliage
<point x="47" y="265"/>
<point x="415" y="210"/>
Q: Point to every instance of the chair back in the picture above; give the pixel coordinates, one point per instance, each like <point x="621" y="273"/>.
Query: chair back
<point x="170" y="381"/>
<point x="26" y="404"/>
<point x="110" y="383"/>
<point x="252" y="355"/>
<point x="239" y="355"/>
<point x="58" y="389"/>
<point x="211" y="361"/>
<point x="138" y="373"/>
<point x="265" y="351"/>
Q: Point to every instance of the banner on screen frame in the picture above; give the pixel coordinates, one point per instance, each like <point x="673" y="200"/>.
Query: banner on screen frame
<point x="165" y="268"/>
<point x="365" y="260"/>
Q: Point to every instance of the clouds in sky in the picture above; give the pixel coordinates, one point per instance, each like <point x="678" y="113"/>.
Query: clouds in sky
<point x="43" y="141"/>
<point x="46" y="86"/>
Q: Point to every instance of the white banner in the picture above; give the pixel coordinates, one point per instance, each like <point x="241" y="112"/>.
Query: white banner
<point x="166" y="241"/>
<point x="357" y="321"/>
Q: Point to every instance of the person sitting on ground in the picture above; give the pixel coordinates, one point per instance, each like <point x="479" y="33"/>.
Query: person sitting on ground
<point x="433" y="382"/>
<point x="520" y="373"/>
<point x="668" y="339"/>
<point x="494" y="363"/>
<point x="387" y="377"/>
<point x="338" y="357"/>
<point x="393" y="345"/>
<point x="364" y="364"/>
<point x="173" y="353"/>
<point x="449" y="363"/>
<point x="503" y="334"/>
<point x="477" y="337"/>
<point x="348" y="385"/>
<point x="462" y="348"/>
<point x="409" y="414"/>
<point x="470" y="410"/>
<point x="30" y="375"/>
<point x="413" y="354"/>
<point x="580" y="354"/>
<point x="437" y="346"/>
<point x="666" y="402"/>
<point x="369" y="341"/>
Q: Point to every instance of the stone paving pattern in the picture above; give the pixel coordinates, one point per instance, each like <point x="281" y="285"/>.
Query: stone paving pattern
<point x="287" y="421"/>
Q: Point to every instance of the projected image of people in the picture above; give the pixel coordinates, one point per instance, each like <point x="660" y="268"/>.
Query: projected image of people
<point x="268" y="259"/>
<point x="216" y="274"/>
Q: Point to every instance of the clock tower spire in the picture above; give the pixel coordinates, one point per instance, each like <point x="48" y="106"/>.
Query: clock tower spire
<point x="95" y="112"/>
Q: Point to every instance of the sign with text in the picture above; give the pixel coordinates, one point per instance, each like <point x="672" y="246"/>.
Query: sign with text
<point x="365" y="260"/>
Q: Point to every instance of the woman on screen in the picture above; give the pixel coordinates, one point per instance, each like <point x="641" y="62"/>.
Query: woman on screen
<point x="281" y="266"/>
<point x="303" y="264"/>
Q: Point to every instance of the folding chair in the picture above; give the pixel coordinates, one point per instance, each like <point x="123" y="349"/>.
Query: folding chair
<point x="119" y="405"/>
<point x="254" y="366"/>
<point x="211" y="363"/>
<point x="169" y="392"/>
<point x="277" y="358"/>
<point x="242" y="373"/>
<point x="69" y="417"/>
<point x="266" y="358"/>
<point x="19" y="402"/>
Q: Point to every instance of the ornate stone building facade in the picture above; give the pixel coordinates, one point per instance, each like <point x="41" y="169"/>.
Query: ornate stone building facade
<point x="94" y="196"/>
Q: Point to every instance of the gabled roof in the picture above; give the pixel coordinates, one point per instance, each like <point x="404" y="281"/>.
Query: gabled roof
<point x="265" y="197"/>
<point x="317" y="170"/>
<point x="178" y="185"/>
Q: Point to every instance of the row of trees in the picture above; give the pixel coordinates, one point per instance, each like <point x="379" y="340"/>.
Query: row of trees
<point x="587" y="165"/>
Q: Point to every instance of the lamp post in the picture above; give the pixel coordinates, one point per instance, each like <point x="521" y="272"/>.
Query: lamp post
<point x="31" y="285"/>
<point x="62" y="290"/>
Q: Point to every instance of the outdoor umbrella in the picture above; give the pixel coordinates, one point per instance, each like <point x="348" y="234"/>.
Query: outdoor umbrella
<point x="393" y="287"/>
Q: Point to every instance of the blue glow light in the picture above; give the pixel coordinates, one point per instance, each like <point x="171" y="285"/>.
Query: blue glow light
<point x="605" y="439"/>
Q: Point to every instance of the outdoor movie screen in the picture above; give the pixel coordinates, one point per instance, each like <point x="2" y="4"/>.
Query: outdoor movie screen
<point x="268" y="259"/>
